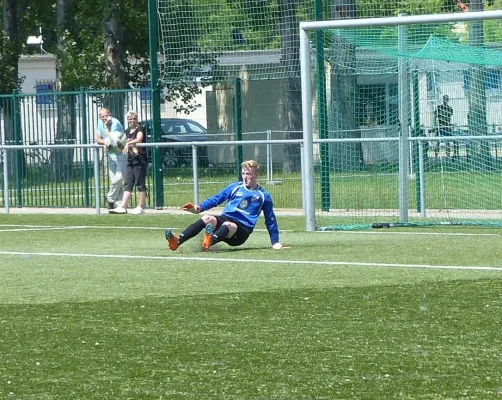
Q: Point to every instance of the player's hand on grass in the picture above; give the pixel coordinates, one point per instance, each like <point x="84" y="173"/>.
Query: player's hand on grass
<point x="194" y="209"/>
<point x="279" y="246"/>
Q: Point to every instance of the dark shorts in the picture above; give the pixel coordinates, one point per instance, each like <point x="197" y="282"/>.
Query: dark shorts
<point x="241" y="234"/>
<point x="135" y="174"/>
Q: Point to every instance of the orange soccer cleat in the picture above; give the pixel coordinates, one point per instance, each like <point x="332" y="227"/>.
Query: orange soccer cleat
<point x="172" y="239"/>
<point x="208" y="237"/>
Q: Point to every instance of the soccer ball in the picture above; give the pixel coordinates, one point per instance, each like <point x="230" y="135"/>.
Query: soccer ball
<point x="116" y="141"/>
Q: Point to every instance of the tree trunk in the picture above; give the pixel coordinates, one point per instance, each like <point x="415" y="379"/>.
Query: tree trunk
<point x="290" y="51"/>
<point x="115" y="71"/>
<point x="62" y="159"/>
<point x="342" y="124"/>
<point x="10" y="58"/>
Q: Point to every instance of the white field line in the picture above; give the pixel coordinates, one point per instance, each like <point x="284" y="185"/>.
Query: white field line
<point x="383" y="232"/>
<point x="24" y="228"/>
<point x="267" y="261"/>
<point x="21" y="228"/>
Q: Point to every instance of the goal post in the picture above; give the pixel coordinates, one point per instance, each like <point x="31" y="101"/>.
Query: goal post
<point x="391" y="158"/>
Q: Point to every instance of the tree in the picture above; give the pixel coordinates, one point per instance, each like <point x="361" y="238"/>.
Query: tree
<point x="11" y="45"/>
<point x="62" y="159"/>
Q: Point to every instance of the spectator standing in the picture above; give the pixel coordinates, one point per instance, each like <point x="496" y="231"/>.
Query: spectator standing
<point x="136" y="166"/>
<point x="443" y="114"/>
<point x="115" y="162"/>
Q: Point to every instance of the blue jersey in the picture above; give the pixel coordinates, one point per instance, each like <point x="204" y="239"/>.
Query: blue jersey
<point x="244" y="206"/>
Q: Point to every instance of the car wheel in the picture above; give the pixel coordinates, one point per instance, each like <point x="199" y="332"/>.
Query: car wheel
<point x="170" y="159"/>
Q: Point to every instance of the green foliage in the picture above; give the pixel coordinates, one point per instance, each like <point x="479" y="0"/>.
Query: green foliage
<point x="193" y="33"/>
<point x="255" y="20"/>
<point x="7" y="83"/>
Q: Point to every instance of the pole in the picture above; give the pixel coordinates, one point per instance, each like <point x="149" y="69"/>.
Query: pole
<point x="308" y="139"/>
<point x="238" y="124"/>
<point x="97" y="184"/>
<point x="417" y="146"/>
<point x="158" y="173"/>
<point x="401" y="20"/>
<point x="322" y="109"/>
<point x="85" y="153"/>
<point x="20" y="165"/>
<point x="5" y="181"/>
<point x="403" y="96"/>
<point x="269" y="159"/>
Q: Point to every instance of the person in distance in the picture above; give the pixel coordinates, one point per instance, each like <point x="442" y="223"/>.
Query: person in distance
<point x="136" y="166"/>
<point x="116" y="163"/>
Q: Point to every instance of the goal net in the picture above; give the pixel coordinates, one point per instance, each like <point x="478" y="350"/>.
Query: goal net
<point x="406" y="122"/>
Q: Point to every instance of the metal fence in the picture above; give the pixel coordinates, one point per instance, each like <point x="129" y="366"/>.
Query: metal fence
<point x="38" y="185"/>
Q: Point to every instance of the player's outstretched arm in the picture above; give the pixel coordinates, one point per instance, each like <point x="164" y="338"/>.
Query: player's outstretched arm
<point x="193" y="208"/>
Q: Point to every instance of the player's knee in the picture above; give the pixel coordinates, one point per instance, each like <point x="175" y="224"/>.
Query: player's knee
<point x="209" y="219"/>
<point x="232" y="228"/>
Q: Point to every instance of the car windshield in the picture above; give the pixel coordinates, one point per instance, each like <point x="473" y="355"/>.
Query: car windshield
<point x="195" y="128"/>
<point x="170" y="128"/>
<point x="181" y="127"/>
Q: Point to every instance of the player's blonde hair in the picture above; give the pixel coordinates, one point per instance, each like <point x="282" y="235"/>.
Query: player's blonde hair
<point x="250" y="164"/>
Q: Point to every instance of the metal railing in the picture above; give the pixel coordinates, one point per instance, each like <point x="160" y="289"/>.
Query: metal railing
<point x="92" y="183"/>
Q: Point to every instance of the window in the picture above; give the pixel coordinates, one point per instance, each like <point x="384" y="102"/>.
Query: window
<point x="432" y="83"/>
<point x="492" y="80"/>
<point x="195" y="128"/>
<point x="42" y="98"/>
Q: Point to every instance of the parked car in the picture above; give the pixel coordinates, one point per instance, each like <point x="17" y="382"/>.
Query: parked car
<point x="178" y="130"/>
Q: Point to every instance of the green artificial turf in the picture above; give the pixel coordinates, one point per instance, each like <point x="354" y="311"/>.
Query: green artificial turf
<point x="97" y="307"/>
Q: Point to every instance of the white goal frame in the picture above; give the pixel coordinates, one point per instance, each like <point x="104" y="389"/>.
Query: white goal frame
<point x="306" y="88"/>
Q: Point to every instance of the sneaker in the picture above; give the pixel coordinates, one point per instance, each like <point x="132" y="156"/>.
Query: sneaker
<point x="111" y="205"/>
<point x="118" y="210"/>
<point x="208" y="236"/>
<point x="172" y="239"/>
<point x="136" y="211"/>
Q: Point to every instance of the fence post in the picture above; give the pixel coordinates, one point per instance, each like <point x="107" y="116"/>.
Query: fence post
<point x="269" y="159"/>
<point x="195" y="175"/>
<point x="238" y="124"/>
<point x="323" y="110"/>
<point x="97" y="191"/>
<point x="19" y="153"/>
<point x="417" y="132"/>
<point x="85" y="154"/>
<point x="158" y="172"/>
<point x="5" y="181"/>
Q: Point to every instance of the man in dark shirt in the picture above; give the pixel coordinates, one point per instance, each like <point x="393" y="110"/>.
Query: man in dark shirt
<point x="443" y="115"/>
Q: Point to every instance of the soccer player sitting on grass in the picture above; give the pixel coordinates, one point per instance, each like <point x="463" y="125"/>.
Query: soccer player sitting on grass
<point x="245" y="201"/>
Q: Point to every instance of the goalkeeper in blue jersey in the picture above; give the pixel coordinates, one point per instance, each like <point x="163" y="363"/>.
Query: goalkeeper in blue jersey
<point x="245" y="201"/>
